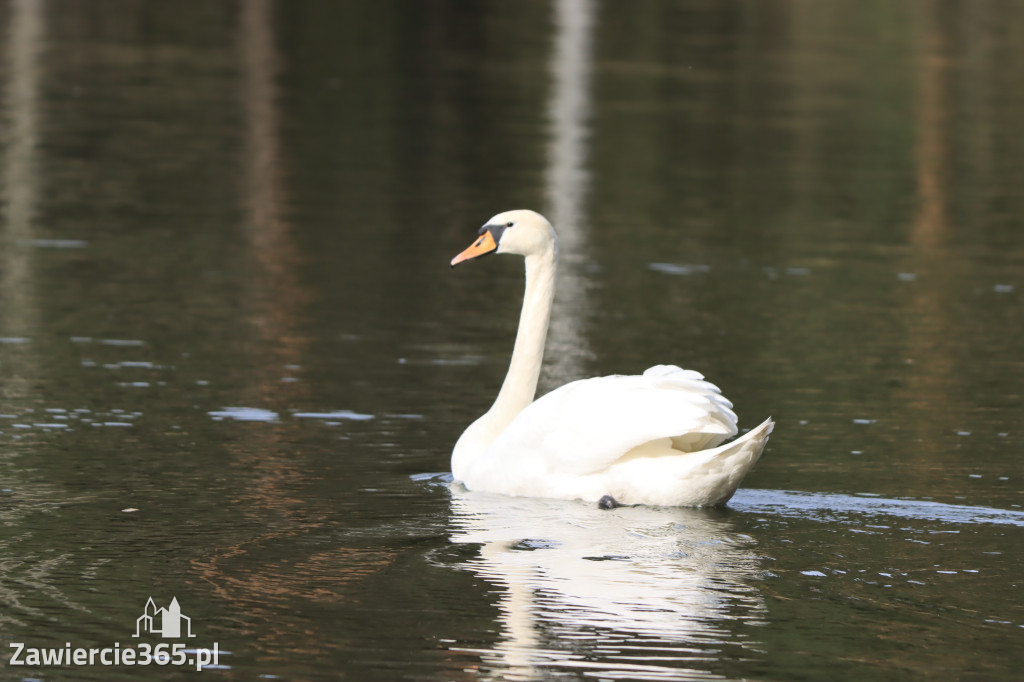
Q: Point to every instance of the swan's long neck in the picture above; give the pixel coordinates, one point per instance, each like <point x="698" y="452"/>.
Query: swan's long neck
<point x="521" y="381"/>
<point x="520" y="384"/>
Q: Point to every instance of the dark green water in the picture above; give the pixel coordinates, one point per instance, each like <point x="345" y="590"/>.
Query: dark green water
<point x="233" y="359"/>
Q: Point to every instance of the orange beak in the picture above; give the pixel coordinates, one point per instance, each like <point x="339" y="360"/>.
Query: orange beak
<point x="483" y="245"/>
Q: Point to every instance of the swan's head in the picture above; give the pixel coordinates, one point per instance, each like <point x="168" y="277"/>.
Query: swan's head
<point x="520" y="232"/>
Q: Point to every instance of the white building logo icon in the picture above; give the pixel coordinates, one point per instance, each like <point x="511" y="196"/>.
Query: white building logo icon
<point x="164" y="622"/>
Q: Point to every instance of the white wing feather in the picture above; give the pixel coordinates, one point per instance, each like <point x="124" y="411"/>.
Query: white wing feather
<point x="587" y="426"/>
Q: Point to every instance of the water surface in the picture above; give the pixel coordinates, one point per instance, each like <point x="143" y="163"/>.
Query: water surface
<point x="233" y="359"/>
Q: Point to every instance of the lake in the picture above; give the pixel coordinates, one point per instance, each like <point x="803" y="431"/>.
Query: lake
<point x="234" y="359"/>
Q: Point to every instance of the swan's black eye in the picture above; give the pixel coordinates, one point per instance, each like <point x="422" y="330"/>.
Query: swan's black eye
<point x="508" y="224"/>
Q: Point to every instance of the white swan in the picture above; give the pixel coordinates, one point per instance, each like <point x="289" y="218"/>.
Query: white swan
<point x="649" y="439"/>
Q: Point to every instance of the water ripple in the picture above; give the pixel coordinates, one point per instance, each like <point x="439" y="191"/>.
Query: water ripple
<point x="829" y="506"/>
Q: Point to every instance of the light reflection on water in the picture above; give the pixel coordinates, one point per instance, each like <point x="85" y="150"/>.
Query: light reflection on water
<point x="636" y="591"/>
<point x="830" y="507"/>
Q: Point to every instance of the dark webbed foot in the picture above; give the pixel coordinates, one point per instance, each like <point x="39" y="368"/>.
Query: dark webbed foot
<point x="607" y="502"/>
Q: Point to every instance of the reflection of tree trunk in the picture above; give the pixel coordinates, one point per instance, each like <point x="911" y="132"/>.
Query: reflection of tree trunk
<point x="274" y="298"/>
<point x="929" y="236"/>
<point x="276" y="294"/>
<point x="259" y="101"/>
<point x="930" y="227"/>
<point x="567" y="180"/>
<point x="20" y="170"/>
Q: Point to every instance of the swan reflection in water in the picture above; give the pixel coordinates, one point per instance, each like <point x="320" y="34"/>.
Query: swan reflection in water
<point x="638" y="591"/>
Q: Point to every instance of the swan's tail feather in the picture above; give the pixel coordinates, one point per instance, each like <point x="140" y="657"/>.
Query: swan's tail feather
<point x="727" y="465"/>
<point x="690" y="479"/>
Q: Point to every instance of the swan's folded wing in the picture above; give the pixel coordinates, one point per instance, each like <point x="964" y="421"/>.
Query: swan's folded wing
<point x="585" y="426"/>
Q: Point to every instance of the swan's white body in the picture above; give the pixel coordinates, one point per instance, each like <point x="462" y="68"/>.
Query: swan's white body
<point x="649" y="439"/>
